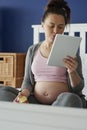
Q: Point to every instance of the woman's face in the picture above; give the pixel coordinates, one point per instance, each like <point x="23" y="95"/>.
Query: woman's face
<point x="52" y="25"/>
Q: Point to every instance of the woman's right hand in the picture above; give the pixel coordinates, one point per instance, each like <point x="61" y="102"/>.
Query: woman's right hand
<point x="22" y="96"/>
<point x="17" y="99"/>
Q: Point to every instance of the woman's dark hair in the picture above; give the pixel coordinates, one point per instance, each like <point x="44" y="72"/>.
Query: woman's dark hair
<point x="59" y="7"/>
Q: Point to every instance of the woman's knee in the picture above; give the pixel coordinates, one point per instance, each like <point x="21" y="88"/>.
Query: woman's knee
<point x="69" y="100"/>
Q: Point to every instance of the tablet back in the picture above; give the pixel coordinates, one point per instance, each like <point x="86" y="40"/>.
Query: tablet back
<point x="63" y="46"/>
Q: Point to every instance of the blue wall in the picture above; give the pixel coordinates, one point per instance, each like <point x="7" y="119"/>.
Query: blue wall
<point x="17" y="16"/>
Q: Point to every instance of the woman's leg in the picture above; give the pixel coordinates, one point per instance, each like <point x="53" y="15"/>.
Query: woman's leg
<point x="69" y="100"/>
<point x="8" y="93"/>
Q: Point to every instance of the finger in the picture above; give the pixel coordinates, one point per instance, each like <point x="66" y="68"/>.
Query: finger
<point x="17" y="98"/>
<point x="70" y="59"/>
<point x="69" y="63"/>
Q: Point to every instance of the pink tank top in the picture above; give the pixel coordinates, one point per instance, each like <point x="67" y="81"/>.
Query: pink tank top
<point x="43" y="72"/>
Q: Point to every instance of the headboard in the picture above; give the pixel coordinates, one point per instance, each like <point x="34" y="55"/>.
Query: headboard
<point x="72" y="29"/>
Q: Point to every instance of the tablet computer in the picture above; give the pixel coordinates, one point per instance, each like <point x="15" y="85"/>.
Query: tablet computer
<point x="63" y="46"/>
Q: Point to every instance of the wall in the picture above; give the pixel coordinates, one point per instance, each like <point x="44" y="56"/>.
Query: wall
<point x="17" y="16"/>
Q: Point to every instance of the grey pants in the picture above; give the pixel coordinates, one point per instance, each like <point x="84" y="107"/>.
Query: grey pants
<point x="65" y="99"/>
<point x="69" y="100"/>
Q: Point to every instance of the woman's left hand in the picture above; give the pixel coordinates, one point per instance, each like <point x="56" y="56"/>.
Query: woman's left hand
<point x="70" y="63"/>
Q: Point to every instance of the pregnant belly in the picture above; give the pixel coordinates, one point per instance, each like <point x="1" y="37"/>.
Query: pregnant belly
<point x="47" y="92"/>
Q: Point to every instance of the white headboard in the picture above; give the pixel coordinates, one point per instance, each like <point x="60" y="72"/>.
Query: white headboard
<point x="71" y="29"/>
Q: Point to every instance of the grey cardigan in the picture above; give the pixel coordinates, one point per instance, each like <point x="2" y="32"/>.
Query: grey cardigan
<point x="29" y="82"/>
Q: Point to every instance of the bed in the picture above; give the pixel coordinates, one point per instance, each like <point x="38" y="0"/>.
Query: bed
<point x="42" y="117"/>
<point x="72" y="29"/>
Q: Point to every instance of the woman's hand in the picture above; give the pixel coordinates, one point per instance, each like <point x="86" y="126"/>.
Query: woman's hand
<point x="70" y="63"/>
<point x="22" y="96"/>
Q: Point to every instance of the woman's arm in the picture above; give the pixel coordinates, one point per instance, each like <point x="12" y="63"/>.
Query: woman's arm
<point x="26" y="87"/>
<point x="26" y="84"/>
<point x="75" y="76"/>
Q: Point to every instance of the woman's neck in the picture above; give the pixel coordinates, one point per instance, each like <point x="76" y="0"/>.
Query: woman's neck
<point x="47" y="45"/>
